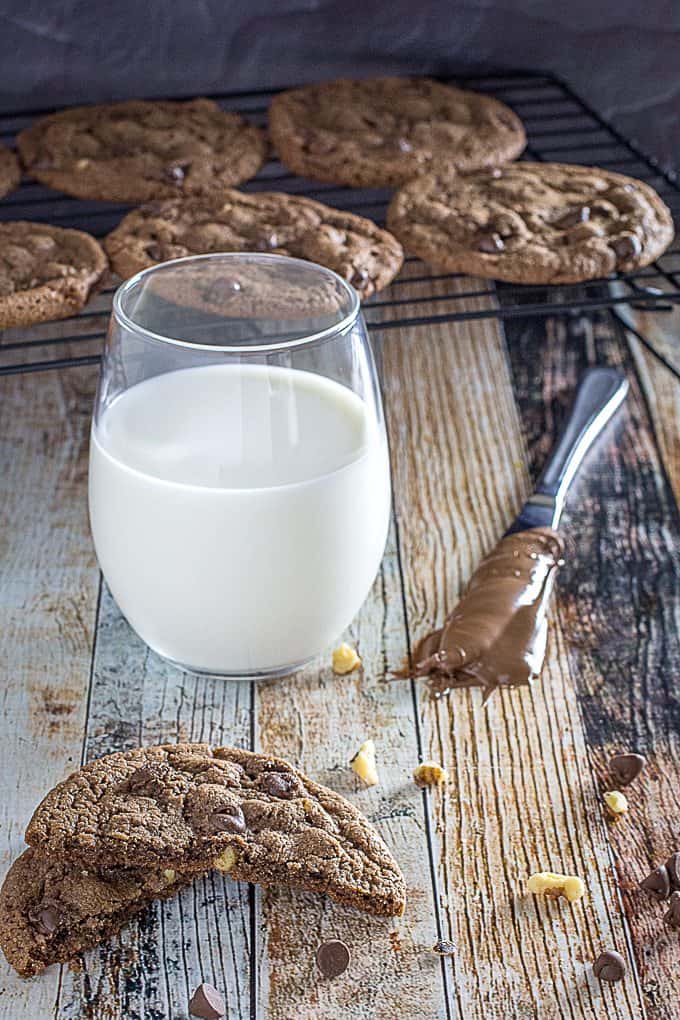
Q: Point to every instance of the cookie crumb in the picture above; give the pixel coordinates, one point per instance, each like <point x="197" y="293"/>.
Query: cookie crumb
<point x="363" y="763"/>
<point x="429" y="773"/>
<point x="549" y="883"/>
<point x="345" y="659"/>
<point x="616" y="801"/>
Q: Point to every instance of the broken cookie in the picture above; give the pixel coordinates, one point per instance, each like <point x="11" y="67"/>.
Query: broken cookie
<point x="51" y="910"/>
<point x="189" y="807"/>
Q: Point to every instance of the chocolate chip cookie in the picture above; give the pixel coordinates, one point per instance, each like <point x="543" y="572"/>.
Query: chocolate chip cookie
<point x="533" y="222"/>
<point x="10" y="173"/>
<point x="189" y="807"/>
<point x="51" y="910"/>
<point x="368" y="257"/>
<point x="136" y="151"/>
<point x="381" y="132"/>
<point x="45" y="272"/>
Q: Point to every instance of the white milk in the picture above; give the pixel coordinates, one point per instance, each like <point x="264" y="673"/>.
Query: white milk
<point x="239" y="513"/>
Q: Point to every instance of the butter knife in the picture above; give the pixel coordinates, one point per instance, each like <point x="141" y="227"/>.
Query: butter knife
<point x="600" y="393"/>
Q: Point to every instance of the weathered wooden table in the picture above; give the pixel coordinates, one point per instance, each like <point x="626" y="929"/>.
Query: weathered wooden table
<point x="472" y="407"/>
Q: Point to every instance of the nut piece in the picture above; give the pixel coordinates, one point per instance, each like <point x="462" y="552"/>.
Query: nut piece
<point x="610" y="966"/>
<point x="548" y="883"/>
<point x="363" y="763"/>
<point x="226" y="860"/>
<point x="345" y="659"/>
<point x="169" y="875"/>
<point x="616" y="802"/>
<point x="429" y="773"/>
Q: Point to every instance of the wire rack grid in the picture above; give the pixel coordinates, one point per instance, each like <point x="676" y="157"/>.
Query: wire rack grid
<point x="560" y="126"/>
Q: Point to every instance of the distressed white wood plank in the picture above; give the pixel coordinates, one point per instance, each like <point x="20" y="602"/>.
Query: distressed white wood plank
<point x="318" y="720"/>
<point x="521" y="798"/>
<point x="150" y="971"/>
<point x="48" y="594"/>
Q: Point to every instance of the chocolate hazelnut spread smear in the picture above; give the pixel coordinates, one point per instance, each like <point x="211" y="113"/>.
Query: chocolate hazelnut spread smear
<point x="496" y="635"/>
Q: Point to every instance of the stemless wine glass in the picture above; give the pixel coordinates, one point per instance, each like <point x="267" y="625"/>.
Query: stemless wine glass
<point x="239" y="475"/>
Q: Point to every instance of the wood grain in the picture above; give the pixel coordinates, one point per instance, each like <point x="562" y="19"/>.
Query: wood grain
<point x="152" y="969"/>
<point x="319" y="720"/>
<point x="48" y="595"/>
<point x="521" y="797"/>
<point x="619" y="601"/>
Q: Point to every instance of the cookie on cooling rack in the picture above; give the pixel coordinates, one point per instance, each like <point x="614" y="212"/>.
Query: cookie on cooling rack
<point x="381" y="132"/>
<point x="45" y="272"/>
<point x="359" y="251"/>
<point x="534" y="223"/>
<point x="10" y="173"/>
<point x="139" y="150"/>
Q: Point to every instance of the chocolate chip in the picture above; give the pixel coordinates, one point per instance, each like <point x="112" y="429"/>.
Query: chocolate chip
<point x="228" y="819"/>
<point x="266" y="241"/>
<point x="46" y="919"/>
<point x="626" y="767"/>
<point x="332" y="958"/>
<point x="673" y="868"/>
<point x="280" y="784"/>
<point x="672" y="915"/>
<point x="491" y="243"/>
<point x="149" y="781"/>
<point x="444" y="947"/>
<point x="626" y="246"/>
<point x="176" y="172"/>
<point x="207" y="1003"/>
<point x="155" y="252"/>
<point x="359" y="277"/>
<point x="222" y="290"/>
<point x="601" y="209"/>
<point x="657" y="883"/>
<point x="610" y="966"/>
<point x="580" y="214"/>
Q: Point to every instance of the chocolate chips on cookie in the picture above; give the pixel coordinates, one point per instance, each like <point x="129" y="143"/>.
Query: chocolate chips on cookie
<point x="139" y="825"/>
<point x="138" y="150"/>
<point x="228" y="220"/>
<point x="535" y="223"/>
<point x="381" y="132"/>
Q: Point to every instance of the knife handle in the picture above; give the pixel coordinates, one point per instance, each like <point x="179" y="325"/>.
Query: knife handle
<point x="600" y="393"/>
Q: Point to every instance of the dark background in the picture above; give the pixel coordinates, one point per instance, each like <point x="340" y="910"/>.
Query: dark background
<point x="624" y="56"/>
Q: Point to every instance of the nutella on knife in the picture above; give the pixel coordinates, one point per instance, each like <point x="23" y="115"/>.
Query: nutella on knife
<point x="496" y="636"/>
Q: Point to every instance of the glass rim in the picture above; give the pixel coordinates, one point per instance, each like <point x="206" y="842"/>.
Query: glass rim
<point x="335" y="328"/>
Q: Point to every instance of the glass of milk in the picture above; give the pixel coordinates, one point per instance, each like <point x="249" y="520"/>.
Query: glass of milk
<point x="239" y="477"/>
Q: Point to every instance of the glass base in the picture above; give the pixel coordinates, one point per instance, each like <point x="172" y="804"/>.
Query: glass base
<point x="250" y="676"/>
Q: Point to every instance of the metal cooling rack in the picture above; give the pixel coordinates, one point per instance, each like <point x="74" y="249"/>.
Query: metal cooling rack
<point x="560" y="126"/>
